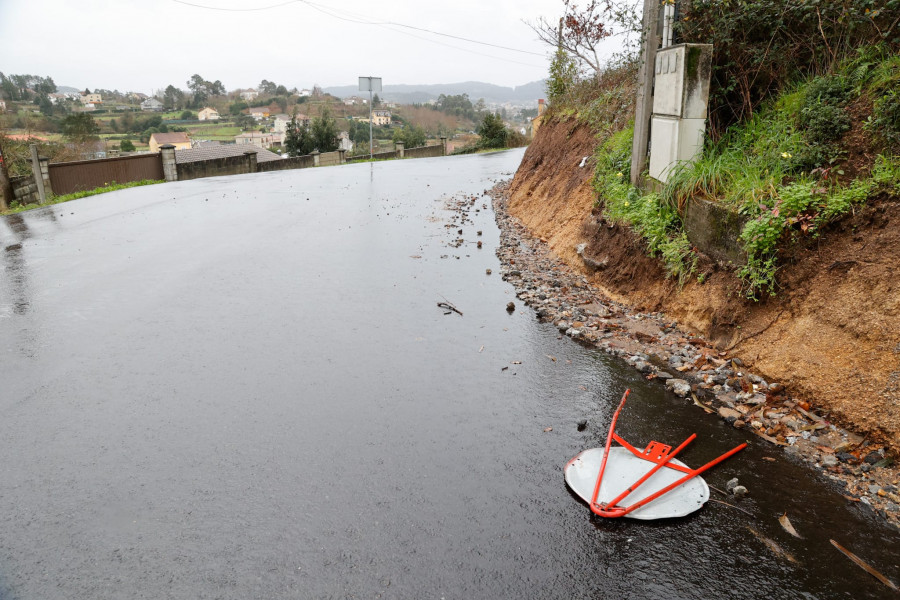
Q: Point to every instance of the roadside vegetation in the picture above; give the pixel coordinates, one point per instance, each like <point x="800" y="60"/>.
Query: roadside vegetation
<point x="804" y="126"/>
<point x="17" y="208"/>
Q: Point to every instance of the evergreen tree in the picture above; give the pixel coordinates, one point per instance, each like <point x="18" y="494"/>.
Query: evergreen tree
<point x="492" y="131"/>
<point x="563" y="74"/>
<point x="325" y="132"/>
<point x="298" y="140"/>
<point x="80" y="127"/>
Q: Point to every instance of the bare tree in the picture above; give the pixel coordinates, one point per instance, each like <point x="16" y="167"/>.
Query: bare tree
<point x="579" y="32"/>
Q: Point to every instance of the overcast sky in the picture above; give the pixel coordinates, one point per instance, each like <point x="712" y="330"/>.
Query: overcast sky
<point x="145" y="45"/>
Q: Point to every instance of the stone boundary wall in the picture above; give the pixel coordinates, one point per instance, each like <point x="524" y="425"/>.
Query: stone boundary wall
<point x="296" y="162"/>
<point x="377" y="156"/>
<point x="329" y="159"/>
<point x="424" y="151"/>
<point x="25" y="190"/>
<point x="229" y="165"/>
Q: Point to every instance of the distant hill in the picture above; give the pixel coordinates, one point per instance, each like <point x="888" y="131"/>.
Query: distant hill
<point x="67" y="89"/>
<point x="412" y="94"/>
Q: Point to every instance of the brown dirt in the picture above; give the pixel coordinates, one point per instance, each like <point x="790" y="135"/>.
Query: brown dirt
<point x="832" y="334"/>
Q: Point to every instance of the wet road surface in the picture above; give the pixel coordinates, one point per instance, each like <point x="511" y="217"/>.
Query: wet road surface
<point x="242" y="387"/>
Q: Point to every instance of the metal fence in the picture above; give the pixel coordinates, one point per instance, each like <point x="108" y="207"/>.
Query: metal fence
<point x="76" y="176"/>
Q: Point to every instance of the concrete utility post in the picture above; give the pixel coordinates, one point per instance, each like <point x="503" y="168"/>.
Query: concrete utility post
<point x="372" y="85"/>
<point x="38" y="176"/>
<point x="6" y="191"/>
<point x="644" y="103"/>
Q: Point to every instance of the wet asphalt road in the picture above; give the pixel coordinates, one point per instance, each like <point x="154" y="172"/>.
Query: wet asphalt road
<point x="242" y="388"/>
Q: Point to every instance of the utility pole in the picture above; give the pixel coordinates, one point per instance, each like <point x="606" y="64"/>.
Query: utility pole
<point x="6" y="192"/>
<point x="644" y="103"/>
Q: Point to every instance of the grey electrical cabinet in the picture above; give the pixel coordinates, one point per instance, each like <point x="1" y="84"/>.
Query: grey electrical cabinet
<point x="680" y="99"/>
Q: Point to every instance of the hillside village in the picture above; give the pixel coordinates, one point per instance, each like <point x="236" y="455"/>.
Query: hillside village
<point x="70" y="124"/>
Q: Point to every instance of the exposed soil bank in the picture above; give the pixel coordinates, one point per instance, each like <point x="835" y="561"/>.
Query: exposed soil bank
<point x="831" y="336"/>
<point x="824" y="354"/>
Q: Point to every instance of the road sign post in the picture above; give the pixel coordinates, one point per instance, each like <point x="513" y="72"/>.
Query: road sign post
<point x="371" y="85"/>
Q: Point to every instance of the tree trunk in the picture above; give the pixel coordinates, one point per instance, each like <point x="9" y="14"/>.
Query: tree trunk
<point x="6" y="192"/>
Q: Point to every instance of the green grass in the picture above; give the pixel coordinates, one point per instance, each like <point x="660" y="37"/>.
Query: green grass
<point x="66" y="197"/>
<point x="776" y="168"/>
<point x="215" y="131"/>
<point x="654" y="220"/>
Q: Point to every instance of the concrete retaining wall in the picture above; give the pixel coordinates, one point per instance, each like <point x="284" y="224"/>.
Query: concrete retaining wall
<point x="715" y="230"/>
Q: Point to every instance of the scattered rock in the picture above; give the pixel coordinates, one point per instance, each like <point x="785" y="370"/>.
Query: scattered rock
<point x="846" y="457"/>
<point x="873" y="457"/>
<point x="729" y="414"/>
<point x="739" y="491"/>
<point x="510" y="307"/>
<point x="561" y="296"/>
<point x="679" y="386"/>
<point x="731" y="484"/>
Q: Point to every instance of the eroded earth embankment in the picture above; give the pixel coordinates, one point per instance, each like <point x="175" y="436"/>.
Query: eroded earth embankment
<point x="830" y="338"/>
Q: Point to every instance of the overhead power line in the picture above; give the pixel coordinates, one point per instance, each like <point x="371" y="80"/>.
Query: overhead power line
<point x="361" y="21"/>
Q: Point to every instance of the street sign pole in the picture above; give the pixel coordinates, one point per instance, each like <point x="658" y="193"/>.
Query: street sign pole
<point x="372" y="85"/>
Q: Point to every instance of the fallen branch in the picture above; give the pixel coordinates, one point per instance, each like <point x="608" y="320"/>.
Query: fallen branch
<point x="747" y="512"/>
<point x="449" y="308"/>
<point x="864" y="566"/>
<point x="712" y="487"/>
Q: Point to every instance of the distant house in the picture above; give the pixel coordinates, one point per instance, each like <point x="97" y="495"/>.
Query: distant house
<point x="258" y="112"/>
<point x="152" y="104"/>
<point x="381" y="117"/>
<point x="248" y="95"/>
<point x="208" y="114"/>
<point x="57" y="98"/>
<point x="138" y="96"/>
<point x="260" y="140"/>
<point x="282" y="121"/>
<point x="91" y="99"/>
<point x="344" y="141"/>
<point x="305" y="92"/>
<point x="180" y="140"/>
<point x="351" y="100"/>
